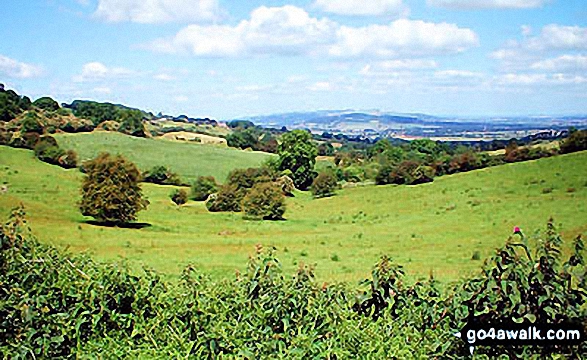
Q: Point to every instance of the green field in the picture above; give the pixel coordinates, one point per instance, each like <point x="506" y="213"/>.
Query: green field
<point x="186" y="159"/>
<point x="432" y="227"/>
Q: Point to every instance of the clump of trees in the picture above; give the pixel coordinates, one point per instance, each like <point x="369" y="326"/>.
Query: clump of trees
<point x="47" y="149"/>
<point x="131" y="123"/>
<point x="577" y="141"/>
<point x="203" y="187"/>
<point x="324" y="185"/>
<point x="161" y="175"/>
<point x="110" y="190"/>
<point x="46" y="103"/>
<point x="11" y="104"/>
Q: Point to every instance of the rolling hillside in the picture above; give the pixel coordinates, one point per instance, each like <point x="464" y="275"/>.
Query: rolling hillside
<point x="433" y="227"/>
<point x="187" y="159"/>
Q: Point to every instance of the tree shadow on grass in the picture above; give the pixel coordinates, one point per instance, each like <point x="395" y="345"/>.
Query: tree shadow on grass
<point x="119" y="225"/>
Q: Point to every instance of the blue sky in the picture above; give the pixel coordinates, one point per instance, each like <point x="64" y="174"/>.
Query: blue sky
<point x="225" y="59"/>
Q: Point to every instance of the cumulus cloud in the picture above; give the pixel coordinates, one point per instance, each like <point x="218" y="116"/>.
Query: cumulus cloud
<point x="290" y="30"/>
<point x="487" y="4"/>
<point x="532" y="50"/>
<point x="564" y="63"/>
<point x="96" y="71"/>
<point x="362" y="7"/>
<point x="157" y="11"/>
<point x="552" y="37"/>
<point x="16" y="69"/>
<point x="403" y="37"/>
<point x="284" y="30"/>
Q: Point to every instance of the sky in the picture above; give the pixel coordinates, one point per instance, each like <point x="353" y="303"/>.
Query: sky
<point x="225" y="58"/>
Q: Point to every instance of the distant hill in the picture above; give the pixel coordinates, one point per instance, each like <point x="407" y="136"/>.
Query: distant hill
<point x="375" y="124"/>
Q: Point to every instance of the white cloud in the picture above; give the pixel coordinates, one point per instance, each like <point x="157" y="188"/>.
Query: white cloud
<point x="362" y="7"/>
<point x="285" y="30"/>
<point x="164" y="77"/>
<point x="290" y="30"/>
<point x="539" y="79"/>
<point x="487" y="4"/>
<point x="564" y="63"/>
<point x="320" y="86"/>
<point x="16" y="69"/>
<point x="456" y="74"/>
<point x="95" y="71"/>
<point x="552" y="37"/>
<point x="407" y="64"/>
<point x="403" y="38"/>
<point x="157" y="11"/>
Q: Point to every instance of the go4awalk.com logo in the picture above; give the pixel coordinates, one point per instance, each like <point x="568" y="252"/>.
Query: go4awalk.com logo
<point x="475" y="334"/>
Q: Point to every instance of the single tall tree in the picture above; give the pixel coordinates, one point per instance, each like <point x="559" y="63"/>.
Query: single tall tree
<point x="111" y="191"/>
<point x="297" y="153"/>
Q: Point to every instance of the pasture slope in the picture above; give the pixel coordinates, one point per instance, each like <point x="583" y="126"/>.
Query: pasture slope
<point x="189" y="160"/>
<point x="432" y="227"/>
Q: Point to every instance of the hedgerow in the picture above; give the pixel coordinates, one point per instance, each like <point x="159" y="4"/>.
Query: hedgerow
<point x="56" y="305"/>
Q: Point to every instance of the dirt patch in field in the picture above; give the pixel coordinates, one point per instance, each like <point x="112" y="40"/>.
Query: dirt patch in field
<point x="189" y="136"/>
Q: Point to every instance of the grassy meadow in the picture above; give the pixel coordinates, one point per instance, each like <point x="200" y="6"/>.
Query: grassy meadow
<point x="189" y="160"/>
<point x="432" y="227"/>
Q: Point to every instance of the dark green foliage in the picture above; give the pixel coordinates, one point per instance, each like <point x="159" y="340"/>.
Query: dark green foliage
<point x="203" y="187"/>
<point x="324" y="185"/>
<point x="265" y="201"/>
<point x="240" y="124"/>
<point x="242" y="139"/>
<point x="31" y="123"/>
<point x="407" y="172"/>
<point x="247" y="178"/>
<point x="11" y="104"/>
<point x="111" y="191"/>
<point x="46" y="103"/>
<point x="162" y="176"/>
<point x="97" y="112"/>
<point x="48" y="150"/>
<point x="27" y="140"/>
<point x="131" y="123"/>
<point x="228" y="198"/>
<point x="179" y="196"/>
<point x="297" y="153"/>
<point x="577" y="141"/>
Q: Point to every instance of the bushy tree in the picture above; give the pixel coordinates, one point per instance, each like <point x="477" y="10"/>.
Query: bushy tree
<point x="228" y="198"/>
<point x="46" y="103"/>
<point x="203" y="187"/>
<point x="266" y="201"/>
<point x="162" y="176"/>
<point x="297" y="153"/>
<point x="110" y="190"/>
<point x="31" y="123"/>
<point x="577" y="141"/>
<point x="324" y="185"/>
<point x="131" y="123"/>
<point x="179" y="196"/>
<point x="11" y="104"/>
<point x="247" y="178"/>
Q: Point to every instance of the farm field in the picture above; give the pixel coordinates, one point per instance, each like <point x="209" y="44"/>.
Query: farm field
<point x="187" y="159"/>
<point x="433" y="227"/>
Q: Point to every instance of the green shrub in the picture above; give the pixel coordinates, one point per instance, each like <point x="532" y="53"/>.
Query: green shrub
<point x="203" y="187"/>
<point x="297" y="153"/>
<point x="577" y="141"/>
<point x="324" y="185"/>
<point x="110" y="190"/>
<point x="162" y="176"/>
<point x="228" y="198"/>
<point x="131" y="123"/>
<point x="179" y="196"/>
<point x="266" y="201"/>
<point x="46" y="103"/>
<point x="31" y="123"/>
